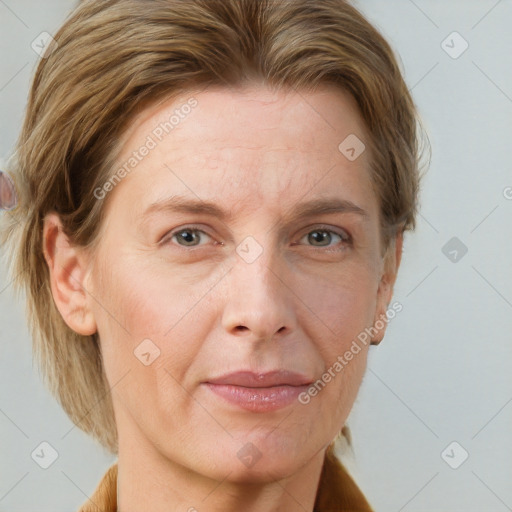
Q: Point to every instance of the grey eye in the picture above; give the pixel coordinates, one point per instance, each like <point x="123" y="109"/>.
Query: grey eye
<point x="323" y="237"/>
<point x="188" y="236"/>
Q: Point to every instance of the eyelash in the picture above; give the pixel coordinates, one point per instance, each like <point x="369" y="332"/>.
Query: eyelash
<point x="346" y="239"/>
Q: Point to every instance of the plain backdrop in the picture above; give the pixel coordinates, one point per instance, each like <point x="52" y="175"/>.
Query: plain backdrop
<point x="432" y="422"/>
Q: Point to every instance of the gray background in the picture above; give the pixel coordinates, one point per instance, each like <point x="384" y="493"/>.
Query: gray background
<point x="442" y="373"/>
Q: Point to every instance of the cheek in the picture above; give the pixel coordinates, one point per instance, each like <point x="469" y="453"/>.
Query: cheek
<point x="140" y="304"/>
<point x="143" y="312"/>
<point x="147" y="338"/>
<point x="349" y="380"/>
<point x="343" y="301"/>
<point x="346" y="311"/>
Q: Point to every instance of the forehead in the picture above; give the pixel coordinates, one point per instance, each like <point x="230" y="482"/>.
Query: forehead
<point x="249" y="145"/>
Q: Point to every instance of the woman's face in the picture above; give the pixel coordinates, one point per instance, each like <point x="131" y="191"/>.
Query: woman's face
<point x="212" y="260"/>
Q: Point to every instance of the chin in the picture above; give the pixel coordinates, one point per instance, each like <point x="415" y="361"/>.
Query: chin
<point x="266" y="470"/>
<point x="259" y="460"/>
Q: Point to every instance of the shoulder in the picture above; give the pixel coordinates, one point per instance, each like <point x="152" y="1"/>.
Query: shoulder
<point x="337" y="490"/>
<point x="104" y="498"/>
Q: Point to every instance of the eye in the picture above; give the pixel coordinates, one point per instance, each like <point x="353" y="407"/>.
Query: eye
<point x="322" y="237"/>
<point x="187" y="236"/>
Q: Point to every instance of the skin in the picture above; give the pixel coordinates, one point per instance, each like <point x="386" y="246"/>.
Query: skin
<point x="298" y="306"/>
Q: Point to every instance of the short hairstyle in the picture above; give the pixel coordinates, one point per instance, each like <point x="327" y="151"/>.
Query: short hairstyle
<point x="110" y="59"/>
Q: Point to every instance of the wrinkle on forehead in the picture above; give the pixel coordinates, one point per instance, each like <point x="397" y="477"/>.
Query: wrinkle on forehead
<point x="252" y="145"/>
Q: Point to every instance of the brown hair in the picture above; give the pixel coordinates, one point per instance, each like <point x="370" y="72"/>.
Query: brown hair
<point x="109" y="59"/>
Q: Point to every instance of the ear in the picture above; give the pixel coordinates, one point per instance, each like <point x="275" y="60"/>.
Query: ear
<point x="391" y="264"/>
<point x="8" y="198"/>
<point x="68" y="273"/>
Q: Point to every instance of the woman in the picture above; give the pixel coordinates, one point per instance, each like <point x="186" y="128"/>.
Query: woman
<point x="212" y="202"/>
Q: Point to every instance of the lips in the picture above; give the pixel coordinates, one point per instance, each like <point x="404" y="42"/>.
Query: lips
<point x="251" y="379"/>
<point x="259" y="392"/>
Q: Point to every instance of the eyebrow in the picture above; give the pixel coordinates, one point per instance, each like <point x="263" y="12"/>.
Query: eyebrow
<point x="322" y="206"/>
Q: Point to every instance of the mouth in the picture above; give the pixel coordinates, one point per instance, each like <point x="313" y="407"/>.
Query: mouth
<point x="259" y="392"/>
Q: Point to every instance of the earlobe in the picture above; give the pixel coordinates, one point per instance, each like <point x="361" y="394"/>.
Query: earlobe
<point x="392" y="261"/>
<point x="67" y="266"/>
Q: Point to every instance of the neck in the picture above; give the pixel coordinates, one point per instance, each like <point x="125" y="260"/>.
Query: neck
<point x="147" y="480"/>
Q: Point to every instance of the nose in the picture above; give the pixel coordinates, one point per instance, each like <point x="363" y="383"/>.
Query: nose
<point x="259" y="301"/>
